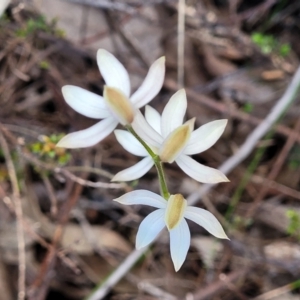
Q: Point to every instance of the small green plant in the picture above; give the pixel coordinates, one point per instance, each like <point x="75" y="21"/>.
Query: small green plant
<point x="294" y="158"/>
<point x="32" y="25"/>
<point x="240" y="222"/>
<point x="293" y="228"/>
<point x="285" y="49"/>
<point x="44" y="64"/>
<point x="4" y="18"/>
<point x="46" y="149"/>
<point x="248" y="107"/>
<point x="39" y="24"/>
<point x="269" y="44"/>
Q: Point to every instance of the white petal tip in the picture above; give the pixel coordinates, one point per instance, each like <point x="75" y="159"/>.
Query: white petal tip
<point x="123" y="177"/>
<point x="177" y="265"/>
<point x="117" y="178"/>
<point x="103" y="55"/>
<point x="138" y="247"/>
<point x="58" y="145"/>
<point x="219" y="177"/>
<point x="221" y="234"/>
<point x="102" y="52"/>
<point x="177" y="268"/>
<point x="63" y="143"/>
<point x="67" y="89"/>
<point x="222" y="123"/>
<point x="140" y="244"/>
<point x="117" y="200"/>
<point x="182" y="93"/>
<point x="162" y="59"/>
<point x="225" y="179"/>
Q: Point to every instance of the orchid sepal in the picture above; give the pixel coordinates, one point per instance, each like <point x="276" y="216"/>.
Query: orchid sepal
<point x="170" y="214"/>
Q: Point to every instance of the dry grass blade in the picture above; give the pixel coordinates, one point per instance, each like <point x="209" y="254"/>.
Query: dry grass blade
<point x="274" y="171"/>
<point x="19" y="216"/>
<point x="180" y="43"/>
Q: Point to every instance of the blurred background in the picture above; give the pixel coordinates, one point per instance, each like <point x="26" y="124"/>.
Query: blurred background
<point x="60" y="233"/>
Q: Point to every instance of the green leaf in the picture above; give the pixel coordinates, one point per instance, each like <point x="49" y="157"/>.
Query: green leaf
<point x="285" y="50"/>
<point x="248" y="107"/>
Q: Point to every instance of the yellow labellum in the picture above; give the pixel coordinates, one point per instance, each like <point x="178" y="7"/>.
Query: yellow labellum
<point x="176" y="141"/>
<point x="119" y="104"/>
<point x="175" y="210"/>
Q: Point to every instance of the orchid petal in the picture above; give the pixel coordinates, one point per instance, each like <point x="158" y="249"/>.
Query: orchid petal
<point x="151" y="85"/>
<point x="130" y="143"/>
<point x="145" y="131"/>
<point x="180" y="239"/>
<point x="84" y="102"/>
<point x="90" y="136"/>
<point x="113" y="72"/>
<point x="136" y="171"/>
<point x="149" y="229"/>
<point x="153" y="117"/>
<point x="199" y="172"/>
<point x="142" y="197"/>
<point x="205" y="137"/>
<point x="174" y="111"/>
<point x="205" y="219"/>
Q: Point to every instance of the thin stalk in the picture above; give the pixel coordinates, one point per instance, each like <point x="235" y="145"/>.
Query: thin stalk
<point x="158" y="164"/>
<point x="148" y="149"/>
<point x="162" y="180"/>
<point x="245" y="179"/>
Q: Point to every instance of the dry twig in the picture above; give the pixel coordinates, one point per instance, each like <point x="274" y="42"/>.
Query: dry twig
<point x="40" y="286"/>
<point x="106" y="4"/>
<point x="180" y="43"/>
<point x="19" y="216"/>
<point x="215" y="287"/>
<point x="150" y="288"/>
<point x="274" y="171"/>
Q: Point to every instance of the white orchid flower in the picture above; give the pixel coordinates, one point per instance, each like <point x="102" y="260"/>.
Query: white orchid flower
<point x="172" y="141"/>
<point x="172" y="214"/>
<point x="116" y="105"/>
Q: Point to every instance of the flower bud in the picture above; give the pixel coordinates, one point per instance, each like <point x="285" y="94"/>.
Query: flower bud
<point x="119" y="105"/>
<point x="175" y="210"/>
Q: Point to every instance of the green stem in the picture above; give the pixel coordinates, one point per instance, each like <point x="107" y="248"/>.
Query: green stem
<point x="162" y="180"/>
<point x="149" y="150"/>
<point x="158" y="164"/>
